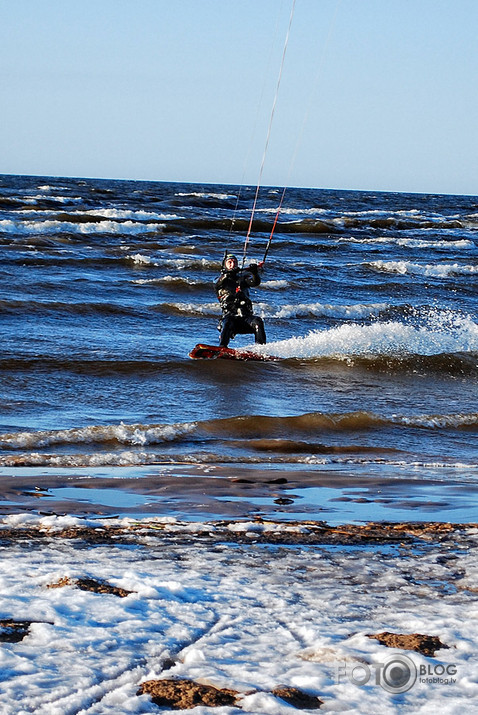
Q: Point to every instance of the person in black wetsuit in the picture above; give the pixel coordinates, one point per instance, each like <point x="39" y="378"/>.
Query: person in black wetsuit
<point x="232" y="289"/>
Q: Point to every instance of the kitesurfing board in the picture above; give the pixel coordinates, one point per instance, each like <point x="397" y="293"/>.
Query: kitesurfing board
<point x="212" y="352"/>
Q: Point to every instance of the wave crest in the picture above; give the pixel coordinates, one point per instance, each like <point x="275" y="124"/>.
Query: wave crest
<point x="438" y="334"/>
<point x="270" y="434"/>
<point x="135" y="434"/>
<point x="438" y="270"/>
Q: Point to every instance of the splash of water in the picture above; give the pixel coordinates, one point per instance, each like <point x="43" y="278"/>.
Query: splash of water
<point x="435" y="333"/>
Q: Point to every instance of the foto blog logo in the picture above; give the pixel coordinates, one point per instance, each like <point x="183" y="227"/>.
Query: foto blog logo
<point x="396" y="674"/>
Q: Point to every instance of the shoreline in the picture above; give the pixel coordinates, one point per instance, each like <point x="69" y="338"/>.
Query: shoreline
<point x="206" y="492"/>
<point x="113" y="530"/>
<point x="181" y="587"/>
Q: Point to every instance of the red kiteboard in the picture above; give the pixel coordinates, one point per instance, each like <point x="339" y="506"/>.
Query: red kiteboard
<point x="213" y="352"/>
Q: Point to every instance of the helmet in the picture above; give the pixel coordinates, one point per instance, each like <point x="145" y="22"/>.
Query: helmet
<point x="229" y="257"/>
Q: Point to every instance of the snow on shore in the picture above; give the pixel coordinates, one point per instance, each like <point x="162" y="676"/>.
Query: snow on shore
<point x="248" y="616"/>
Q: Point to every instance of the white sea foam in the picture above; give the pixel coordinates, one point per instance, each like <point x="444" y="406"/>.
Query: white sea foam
<point x="294" y="211"/>
<point x="134" y="434"/>
<point x="357" y="311"/>
<point x="123" y="458"/>
<point x="307" y="310"/>
<point x="438" y="421"/>
<point x="275" y="285"/>
<point x="381" y="212"/>
<point x="47" y="188"/>
<point x="119" y="214"/>
<point x="60" y="199"/>
<point x="126" y="214"/>
<point x="212" y="309"/>
<point x="205" y="195"/>
<point x="179" y="264"/>
<point x="182" y="263"/>
<point x="141" y="260"/>
<point x="135" y="457"/>
<point x="415" y="215"/>
<point x="410" y="242"/>
<point x="438" y="270"/>
<point x="434" y="336"/>
<point x="173" y="280"/>
<point x="52" y="226"/>
<point x="299" y="310"/>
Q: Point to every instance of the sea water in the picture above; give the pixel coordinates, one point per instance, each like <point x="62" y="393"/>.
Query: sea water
<point x="369" y="299"/>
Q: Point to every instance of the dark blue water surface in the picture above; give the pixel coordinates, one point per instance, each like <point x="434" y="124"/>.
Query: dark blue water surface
<point x="369" y="299"/>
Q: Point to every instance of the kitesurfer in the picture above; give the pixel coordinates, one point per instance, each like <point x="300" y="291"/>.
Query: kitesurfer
<point x="232" y="289"/>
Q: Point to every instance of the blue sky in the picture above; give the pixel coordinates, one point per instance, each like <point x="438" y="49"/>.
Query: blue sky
<point x="375" y="94"/>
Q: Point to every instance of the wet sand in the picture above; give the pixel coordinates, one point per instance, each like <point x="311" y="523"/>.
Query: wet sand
<point x="196" y="493"/>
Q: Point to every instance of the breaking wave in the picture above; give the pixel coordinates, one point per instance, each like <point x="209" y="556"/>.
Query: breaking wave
<point x="180" y="283"/>
<point x="276" y="439"/>
<point x="439" y="270"/>
<point x="438" y="334"/>
<point x="309" y="310"/>
<point x="179" y="264"/>
<point x="207" y="309"/>
<point x="128" y="458"/>
<point x="301" y="310"/>
<point x="275" y="285"/>
<point x="138" y="215"/>
<point x="411" y="242"/>
<point x="135" y="434"/>
<point x="243" y="427"/>
<point x="82" y="227"/>
<point x="206" y="195"/>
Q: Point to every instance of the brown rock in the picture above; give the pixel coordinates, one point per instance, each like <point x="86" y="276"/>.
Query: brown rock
<point x="91" y="584"/>
<point x="64" y="581"/>
<point x="183" y="694"/>
<point x="426" y="645"/>
<point x="13" y="631"/>
<point x="297" y="698"/>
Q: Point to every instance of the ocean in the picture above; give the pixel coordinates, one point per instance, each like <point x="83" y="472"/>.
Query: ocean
<point x="368" y="298"/>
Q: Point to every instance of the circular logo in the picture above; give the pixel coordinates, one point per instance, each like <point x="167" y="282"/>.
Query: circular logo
<point x="398" y="674"/>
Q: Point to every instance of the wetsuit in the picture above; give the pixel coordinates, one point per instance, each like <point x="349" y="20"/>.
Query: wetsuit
<point x="232" y="288"/>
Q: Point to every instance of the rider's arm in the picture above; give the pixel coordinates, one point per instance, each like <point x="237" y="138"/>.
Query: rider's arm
<point x="253" y="274"/>
<point x="220" y="281"/>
